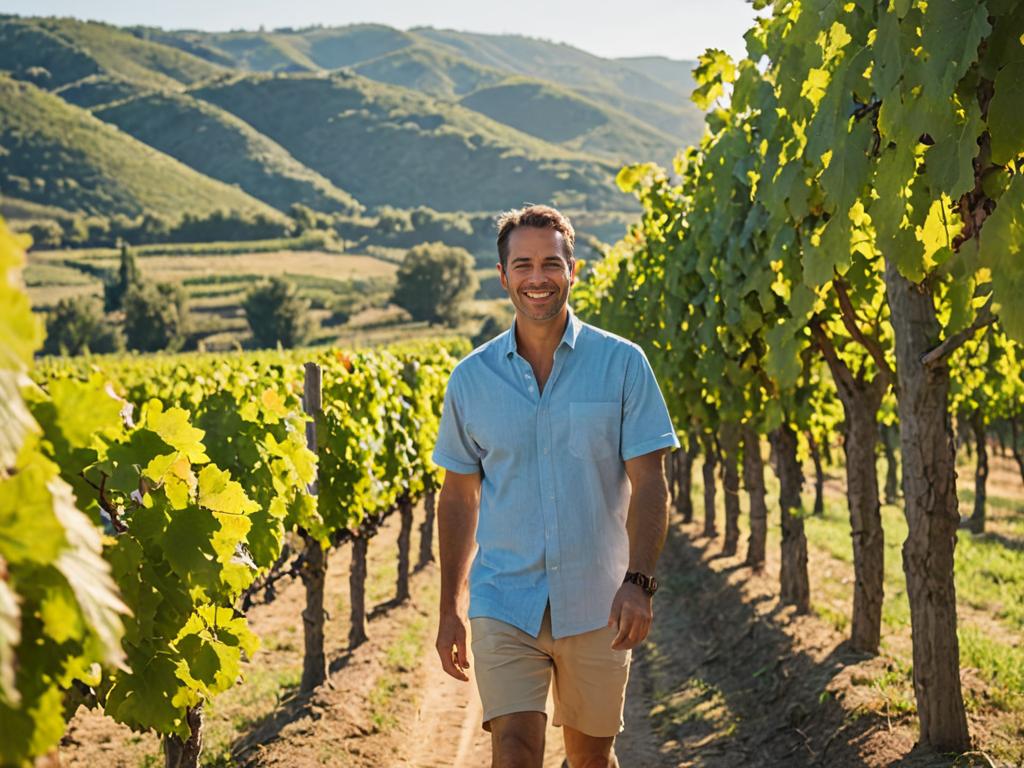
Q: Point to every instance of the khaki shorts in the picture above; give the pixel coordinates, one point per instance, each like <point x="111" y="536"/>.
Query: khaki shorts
<point x="514" y="671"/>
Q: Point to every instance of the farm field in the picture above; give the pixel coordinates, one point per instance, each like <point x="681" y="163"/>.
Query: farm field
<point x="348" y="292"/>
<point x="727" y="678"/>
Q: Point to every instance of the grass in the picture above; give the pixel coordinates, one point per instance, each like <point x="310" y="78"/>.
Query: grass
<point x="989" y="576"/>
<point x="697" y="700"/>
<point x="241" y="706"/>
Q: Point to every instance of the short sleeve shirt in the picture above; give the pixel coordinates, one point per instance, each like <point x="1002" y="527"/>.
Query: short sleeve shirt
<point x="554" y="491"/>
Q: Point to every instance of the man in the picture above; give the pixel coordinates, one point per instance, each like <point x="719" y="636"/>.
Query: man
<point x="552" y="436"/>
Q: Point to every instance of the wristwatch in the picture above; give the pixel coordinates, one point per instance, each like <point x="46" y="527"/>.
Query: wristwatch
<point x="648" y="583"/>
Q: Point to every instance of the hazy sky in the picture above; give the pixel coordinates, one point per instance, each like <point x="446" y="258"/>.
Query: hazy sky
<point x="679" y="29"/>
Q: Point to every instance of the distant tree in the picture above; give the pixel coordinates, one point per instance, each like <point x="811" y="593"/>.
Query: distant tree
<point x="77" y="325"/>
<point x="277" y="314"/>
<point x="154" y="228"/>
<point x="46" y="234"/>
<point x="434" y="283"/>
<point x="492" y="324"/>
<point x="155" y="317"/>
<point x="114" y="290"/>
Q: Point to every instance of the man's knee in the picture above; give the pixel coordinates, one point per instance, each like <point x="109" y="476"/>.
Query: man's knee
<point x="518" y="741"/>
<point x="583" y="751"/>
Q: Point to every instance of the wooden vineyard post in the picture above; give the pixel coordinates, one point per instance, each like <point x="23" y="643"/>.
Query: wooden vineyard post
<point x="314" y="569"/>
<point x="684" y="477"/>
<point x="753" y="479"/>
<point x="427" y="528"/>
<point x="795" y="584"/>
<point x="357" y="590"/>
<point x="730" y="439"/>
<point x="710" y="460"/>
<point x="404" y="546"/>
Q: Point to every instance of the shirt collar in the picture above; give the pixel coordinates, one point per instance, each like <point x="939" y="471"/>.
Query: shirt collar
<point x="572" y="332"/>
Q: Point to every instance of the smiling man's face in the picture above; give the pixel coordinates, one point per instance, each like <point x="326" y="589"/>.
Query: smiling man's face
<point x="538" y="276"/>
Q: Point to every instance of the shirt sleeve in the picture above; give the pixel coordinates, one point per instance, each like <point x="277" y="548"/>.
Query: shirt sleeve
<point x="646" y="424"/>
<point x="455" y="449"/>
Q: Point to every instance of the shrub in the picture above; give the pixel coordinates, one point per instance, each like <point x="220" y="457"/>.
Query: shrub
<point x="434" y="283"/>
<point x="77" y="325"/>
<point x="155" y="317"/>
<point x="277" y="314"/>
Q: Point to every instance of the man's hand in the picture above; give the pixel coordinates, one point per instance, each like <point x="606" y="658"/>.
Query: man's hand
<point x="451" y="645"/>
<point x="632" y="614"/>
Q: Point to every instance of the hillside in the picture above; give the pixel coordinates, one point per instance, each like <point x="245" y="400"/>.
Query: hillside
<point x="563" y="117"/>
<point x="57" y="154"/>
<point x="430" y="71"/>
<point x="671" y="73"/>
<point x="557" y="62"/>
<point x="220" y="145"/>
<point x="70" y="50"/>
<point x="450" y="64"/>
<point x="389" y="145"/>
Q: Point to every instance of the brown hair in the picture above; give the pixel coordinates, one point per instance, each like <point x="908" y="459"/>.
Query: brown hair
<point x="540" y="216"/>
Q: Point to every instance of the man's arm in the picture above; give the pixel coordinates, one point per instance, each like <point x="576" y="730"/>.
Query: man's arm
<point x="646" y="527"/>
<point x="457" y="511"/>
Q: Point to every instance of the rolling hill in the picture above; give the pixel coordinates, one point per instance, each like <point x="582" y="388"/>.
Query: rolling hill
<point x="340" y="119"/>
<point x="430" y="71"/>
<point x="220" y="145"/>
<point x="54" y="153"/>
<point x="562" y="117"/>
<point x="69" y="50"/>
<point x="450" y="64"/>
<point x="390" y="145"/>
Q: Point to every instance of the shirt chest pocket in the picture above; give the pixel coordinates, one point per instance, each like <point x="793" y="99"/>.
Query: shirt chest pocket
<point x="594" y="430"/>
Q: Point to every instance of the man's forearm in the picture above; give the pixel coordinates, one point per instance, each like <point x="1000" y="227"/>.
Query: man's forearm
<point x="647" y="522"/>
<point x="456" y="531"/>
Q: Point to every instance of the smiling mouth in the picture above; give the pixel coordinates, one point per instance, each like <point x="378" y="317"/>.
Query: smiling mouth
<point x="538" y="294"/>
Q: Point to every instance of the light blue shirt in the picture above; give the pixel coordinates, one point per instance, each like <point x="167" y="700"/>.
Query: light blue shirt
<point x="554" y="491"/>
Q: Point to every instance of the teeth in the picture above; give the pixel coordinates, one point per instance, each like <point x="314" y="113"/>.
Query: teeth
<point x="538" y="295"/>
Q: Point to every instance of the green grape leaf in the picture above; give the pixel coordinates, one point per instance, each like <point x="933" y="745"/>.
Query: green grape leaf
<point x="1000" y="247"/>
<point x="85" y="410"/>
<point x="174" y="429"/>
<point x="219" y="493"/>
<point x="144" y="695"/>
<point x="188" y="547"/>
<point x="783" y="359"/>
<point x="714" y="69"/>
<point x="30" y="530"/>
<point x="1005" y="116"/>
<point x="949" y="164"/>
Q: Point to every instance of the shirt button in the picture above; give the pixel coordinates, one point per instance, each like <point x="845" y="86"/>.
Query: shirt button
<point x="552" y="497"/>
<point x="530" y="388"/>
<point x="554" y="567"/>
<point x="546" y="451"/>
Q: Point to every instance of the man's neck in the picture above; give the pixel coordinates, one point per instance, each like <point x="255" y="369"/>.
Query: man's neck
<point x="537" y="341"/>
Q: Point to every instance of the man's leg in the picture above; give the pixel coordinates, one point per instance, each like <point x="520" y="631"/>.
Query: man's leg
<point x="584" y="751"/>
<point x="517" y="740"/>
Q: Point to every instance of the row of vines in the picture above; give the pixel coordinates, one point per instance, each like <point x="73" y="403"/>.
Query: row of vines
<point x="843" y="252"/>
<point x="146" y="502"/>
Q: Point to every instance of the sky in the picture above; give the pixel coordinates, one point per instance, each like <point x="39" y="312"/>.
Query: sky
<point x="678" y="29"/>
